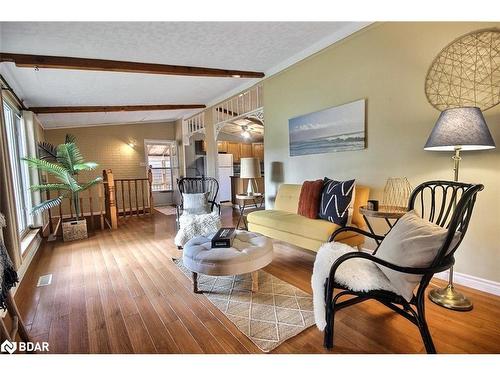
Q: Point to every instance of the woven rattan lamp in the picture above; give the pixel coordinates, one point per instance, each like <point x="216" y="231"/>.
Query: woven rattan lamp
<point x="458" y="129"/>
<point x="250" y="168"/>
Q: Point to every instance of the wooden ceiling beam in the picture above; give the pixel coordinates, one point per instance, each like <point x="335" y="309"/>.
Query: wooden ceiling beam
<point x="77" y="63"/>
<point x="115" y="108"/>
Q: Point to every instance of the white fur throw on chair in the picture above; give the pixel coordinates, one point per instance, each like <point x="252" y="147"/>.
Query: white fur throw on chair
<point x="191" y="226"/>
<point x="357" y="274"/>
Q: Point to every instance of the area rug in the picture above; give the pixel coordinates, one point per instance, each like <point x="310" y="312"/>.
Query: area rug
<point x="167" y="210"/>
<point x="269" y="317"/>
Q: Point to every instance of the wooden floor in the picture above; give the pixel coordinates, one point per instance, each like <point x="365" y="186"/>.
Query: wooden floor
<point x="120" y="292"/>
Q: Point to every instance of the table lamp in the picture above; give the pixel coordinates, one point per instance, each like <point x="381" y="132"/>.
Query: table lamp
<point x="457" y="129"/>
<point x="250" y="168"/>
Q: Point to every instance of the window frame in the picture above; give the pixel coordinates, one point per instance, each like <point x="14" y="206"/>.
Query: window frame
<point x="173" y="162"/>
<point x="17" y="142"/>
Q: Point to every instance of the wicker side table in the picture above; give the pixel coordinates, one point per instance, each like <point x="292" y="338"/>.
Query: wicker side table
<point x="383" y="213"/>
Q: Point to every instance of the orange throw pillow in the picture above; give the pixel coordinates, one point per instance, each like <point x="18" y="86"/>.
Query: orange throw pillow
<point x="309" y="200"/>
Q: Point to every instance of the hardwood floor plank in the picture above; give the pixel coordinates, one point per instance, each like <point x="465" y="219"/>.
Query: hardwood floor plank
<point x="99" y="342"/>
<point x="162" y="339"/>
<point x="138" y="335"/>
<point x="183" y="338"/>
<point x="78" y="328"/>
<point x="59" y="335"/>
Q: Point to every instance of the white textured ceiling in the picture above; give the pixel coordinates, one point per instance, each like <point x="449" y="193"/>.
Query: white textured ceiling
<point x="256" y="46"/>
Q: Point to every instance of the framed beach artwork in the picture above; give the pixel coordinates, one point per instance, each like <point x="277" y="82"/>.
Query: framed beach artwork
<point x="340" y="128"/>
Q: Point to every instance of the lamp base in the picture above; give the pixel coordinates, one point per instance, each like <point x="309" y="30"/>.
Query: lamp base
<point x="250" y="190"/>
<point x="450" y="298"/>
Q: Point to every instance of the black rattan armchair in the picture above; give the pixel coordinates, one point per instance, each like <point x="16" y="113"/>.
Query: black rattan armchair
<point x="445" y="203"/>
<point x="198" y="185"/>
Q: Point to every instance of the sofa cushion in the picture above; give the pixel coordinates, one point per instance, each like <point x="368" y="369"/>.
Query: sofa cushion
<point x="309" y="198"/>
<point x="293" y="223"/>
<point x="335" y="200"/>
<point x="287" y="198"/>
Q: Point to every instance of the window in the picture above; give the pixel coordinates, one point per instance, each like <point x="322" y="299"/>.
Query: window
<point x="17" y="143"/>
<point x="161" y="157"/>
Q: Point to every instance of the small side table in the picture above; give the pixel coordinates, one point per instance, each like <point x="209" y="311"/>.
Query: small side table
<point x="256" y="200"/>
<point x="383" y="213"/>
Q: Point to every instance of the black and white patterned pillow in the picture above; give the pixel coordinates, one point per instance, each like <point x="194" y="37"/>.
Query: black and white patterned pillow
<point x="335" y="200"/>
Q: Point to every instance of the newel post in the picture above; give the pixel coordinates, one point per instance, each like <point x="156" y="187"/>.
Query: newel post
<point x="110" y="198"/>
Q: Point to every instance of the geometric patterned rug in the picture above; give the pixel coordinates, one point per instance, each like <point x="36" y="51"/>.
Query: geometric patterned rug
<point x="268" y="317"/>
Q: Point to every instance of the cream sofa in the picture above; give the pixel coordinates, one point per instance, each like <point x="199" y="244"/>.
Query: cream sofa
<point x="283" y="223"/>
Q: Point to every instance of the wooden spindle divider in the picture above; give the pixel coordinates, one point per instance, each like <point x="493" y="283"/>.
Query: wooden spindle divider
<point x="123" y="197"/>
<point x="101" y="204"/>
<point x="107" y="201"/>
<point x="129" y="199"/>
<point x="136" y="200"/>
<point x="142" y="195"/>
<point x="91" y="208"/>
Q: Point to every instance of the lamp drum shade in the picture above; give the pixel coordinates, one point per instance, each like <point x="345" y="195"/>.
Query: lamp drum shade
<point x="249" y="168"/>
<point x="460" y="128"/>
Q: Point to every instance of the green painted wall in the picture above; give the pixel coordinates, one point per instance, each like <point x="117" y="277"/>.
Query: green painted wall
<point x="386" y="64"/>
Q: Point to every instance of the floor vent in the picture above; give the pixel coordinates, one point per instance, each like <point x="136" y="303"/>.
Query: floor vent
<point x="44" y="280"/>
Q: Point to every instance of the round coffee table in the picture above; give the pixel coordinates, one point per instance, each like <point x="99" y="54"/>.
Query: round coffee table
<point x="250" y="252"/>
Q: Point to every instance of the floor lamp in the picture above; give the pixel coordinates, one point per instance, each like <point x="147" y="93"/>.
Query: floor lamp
<point x="457" y="129"/>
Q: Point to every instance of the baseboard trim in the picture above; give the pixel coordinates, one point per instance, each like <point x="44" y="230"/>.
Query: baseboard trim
<point x="473" y="282"/>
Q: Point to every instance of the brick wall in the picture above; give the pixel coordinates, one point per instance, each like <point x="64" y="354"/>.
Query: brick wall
<point x="108" y="146"/>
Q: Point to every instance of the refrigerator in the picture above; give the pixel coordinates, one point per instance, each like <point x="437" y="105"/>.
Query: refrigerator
<point x="225" y="173"/>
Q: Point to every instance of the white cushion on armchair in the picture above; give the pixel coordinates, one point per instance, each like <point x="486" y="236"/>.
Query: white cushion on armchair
<point x="412" y="242"/>
<point x="191" y="226"/>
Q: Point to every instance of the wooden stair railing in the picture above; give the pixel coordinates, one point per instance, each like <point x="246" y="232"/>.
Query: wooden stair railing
<point x="87" y="199"/>
<point x="134" y="196"/>
<point x="116" y="197"/>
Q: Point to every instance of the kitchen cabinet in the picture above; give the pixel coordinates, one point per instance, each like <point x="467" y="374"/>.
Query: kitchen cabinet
<point x="258" y="151"/>
<point x="222" y="146"/>
<point x="245" y="150"/>
<point x="234" y="148"/>
<point x="242" y="150"/>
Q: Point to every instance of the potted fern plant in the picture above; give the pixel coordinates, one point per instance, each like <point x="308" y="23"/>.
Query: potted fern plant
<point x="63" y="162"/>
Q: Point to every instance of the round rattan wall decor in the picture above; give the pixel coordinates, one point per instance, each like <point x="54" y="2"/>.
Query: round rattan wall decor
<point x="466" y="72"/>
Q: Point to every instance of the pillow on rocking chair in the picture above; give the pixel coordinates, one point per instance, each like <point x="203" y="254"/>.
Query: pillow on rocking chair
<point x="195" y="203"/>
<point x="412" y="242"/>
